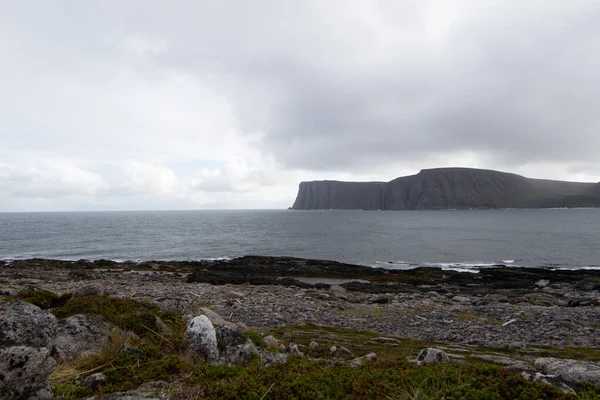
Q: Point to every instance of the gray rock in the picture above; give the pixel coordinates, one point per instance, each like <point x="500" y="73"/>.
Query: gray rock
<point x="80" y="335"/>
<point x="24" y="324"/>
<point x="570" y="370"/>
<point x="542" y="299"/>
<point x="241" y="354"/>
<point x="293" y="350"/>
<point x="96" y="288"/>
<point x="552" y="380"/>
<point x="228" y="336"/>
<point x="94" y="381"/>
<point x="214" y="318"/>
<point x="269" y="357"/>
<point x="313" y="345"/>
<point x="203" y="338"/>
<point x="234" y="294"/>
<point x="357" y="362"/>
<point x="272" y="342"/>
<point x="431" y="355"/>
<point x="131" y="351"/>
<point x="131" y="395"/>
<point x="153" y="386"/>
<point x="385" y="340"/>
<point x="24" y="371"/>
<point x="462" y="300"/>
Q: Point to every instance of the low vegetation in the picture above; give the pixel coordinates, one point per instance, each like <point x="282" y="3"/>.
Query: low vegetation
<point x="157" y="351"/>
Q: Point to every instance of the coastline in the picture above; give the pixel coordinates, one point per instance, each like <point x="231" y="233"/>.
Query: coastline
<point x="557" y="308"/>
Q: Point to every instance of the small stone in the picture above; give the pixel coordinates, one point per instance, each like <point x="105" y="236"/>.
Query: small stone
<point x="357" y="362"/>
<point x="272" y="342"/>
<point x="235" y="294"/>
<point x="431" y="355"/>
<point x="94" y="381"/>
<point x="214" y="318"/>
<point x="461" y="300"/>
<point x="313" y="345"/>
<point x="294" y="350"/>
<point x="131" y="351"/>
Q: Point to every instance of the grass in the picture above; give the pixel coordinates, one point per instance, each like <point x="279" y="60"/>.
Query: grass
<point x="166" y="357"/>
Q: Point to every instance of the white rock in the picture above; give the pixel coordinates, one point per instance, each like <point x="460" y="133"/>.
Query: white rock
<point x="431" y="355"/>
<point x="357" y="362"/>
<point x="203" y="338"/>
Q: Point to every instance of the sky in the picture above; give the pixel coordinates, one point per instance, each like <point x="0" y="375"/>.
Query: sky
<point x="151" y="104"/>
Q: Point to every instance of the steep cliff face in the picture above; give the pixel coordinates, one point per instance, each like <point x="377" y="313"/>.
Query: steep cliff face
<point x="324" y="195"/>
<point x="444" y="188"/>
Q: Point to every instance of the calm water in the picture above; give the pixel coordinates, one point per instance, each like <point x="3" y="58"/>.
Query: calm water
<point x="396" y="239"/>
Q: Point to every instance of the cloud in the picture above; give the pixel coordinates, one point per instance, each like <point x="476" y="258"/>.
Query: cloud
<point x="203" y="104"/>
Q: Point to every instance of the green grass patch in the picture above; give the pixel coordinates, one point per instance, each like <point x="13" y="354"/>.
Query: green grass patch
<point x="166" y="357"/>
<point x="44" y="299"/>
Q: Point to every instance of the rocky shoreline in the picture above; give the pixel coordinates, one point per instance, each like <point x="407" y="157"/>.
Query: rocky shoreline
<point x="516" y="311"/>
<point x="497" y="307"/>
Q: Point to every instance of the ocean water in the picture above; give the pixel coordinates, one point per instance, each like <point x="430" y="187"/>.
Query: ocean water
<point x="464" y="240"/>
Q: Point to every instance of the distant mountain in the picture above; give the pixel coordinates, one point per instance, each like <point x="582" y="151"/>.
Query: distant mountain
<point x="447" y="188"/>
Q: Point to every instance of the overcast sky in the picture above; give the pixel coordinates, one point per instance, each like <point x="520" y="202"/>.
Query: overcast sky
<point x="122" y="105"/>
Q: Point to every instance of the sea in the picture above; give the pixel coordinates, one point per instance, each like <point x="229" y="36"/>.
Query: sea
<point x="464" y="240"/>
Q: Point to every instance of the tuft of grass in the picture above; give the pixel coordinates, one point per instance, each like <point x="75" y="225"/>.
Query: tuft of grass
<point x="44" y="299"/>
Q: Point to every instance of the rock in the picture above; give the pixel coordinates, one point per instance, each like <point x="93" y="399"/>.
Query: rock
<point x="97" y="288"/>
<point x="153" y="386"/>
<point x="214" y="318"/>
<point x="24" y="324"/>
<point x="242" y="327"/>
<point x="338" y="291"/>
<point x="235" y="294"/>
<point x="293" y="350"/>
<point x="133" y="352"/>
<point x="269" y="357"/>
<point x="228" y="336"/>
<point x="24" y="371"/>
<point x="80" y="335"/>
<point x="380" y="300"/>
<point x="542" y="299"/>
<point x="510" y="363"/>
<point x="313" y="345"/>
<point x="357" y="362"/>
<point x="203" y="338"/>
<point x="385" y="340"/>
<point x="94" y="381"/>
<point x="241" y="354"/>
<point x="131" y="395"/>
<point x="178" y="305"/>
<point x="462" y="300"/>
<point x="272" y="342"/>
<point x="572" y="371"/>
<point x="431" y="355"/>
<point x="7" y="291"/>
<point x="551" y="380"/>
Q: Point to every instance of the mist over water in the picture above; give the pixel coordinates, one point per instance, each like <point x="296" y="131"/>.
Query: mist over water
<point x="392" y="239"/>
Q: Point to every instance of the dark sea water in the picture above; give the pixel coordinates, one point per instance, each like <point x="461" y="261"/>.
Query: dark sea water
<point x="394" y="239"/>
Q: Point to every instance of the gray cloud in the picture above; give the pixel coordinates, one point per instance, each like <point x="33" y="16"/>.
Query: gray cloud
<point x="292" y="90"/>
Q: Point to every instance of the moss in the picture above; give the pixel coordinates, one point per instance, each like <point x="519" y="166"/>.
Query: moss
<point x="44" y="298"/>
<point x="256" y="339"/>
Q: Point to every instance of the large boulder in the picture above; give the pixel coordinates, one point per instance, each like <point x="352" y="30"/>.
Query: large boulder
<point x="203" y="338"/>
<point x="27" y="336"/>
<point x="24" y="372"/>
<point x="571" y="371"/>
<point x="24" y="324"/>
<point x="80" y="335"/>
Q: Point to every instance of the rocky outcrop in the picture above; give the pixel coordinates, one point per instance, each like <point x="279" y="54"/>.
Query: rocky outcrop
<point x="26" y="341"/>
<point x="444" y="188"/>
<point x="80" y="335"/>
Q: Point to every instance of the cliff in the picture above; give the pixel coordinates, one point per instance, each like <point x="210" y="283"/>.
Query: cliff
<point x="444" y="188"/>
<point x="324" y="195"/>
